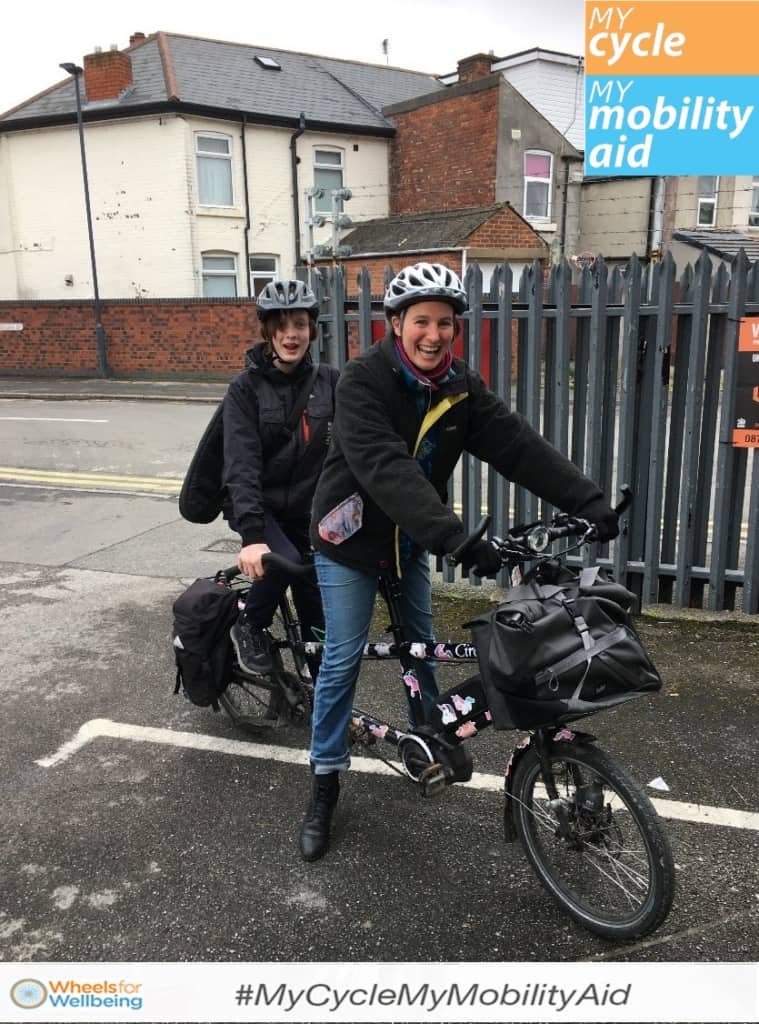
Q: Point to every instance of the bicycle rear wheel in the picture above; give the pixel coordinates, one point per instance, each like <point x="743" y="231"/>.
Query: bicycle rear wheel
<point x="613" y="872"/>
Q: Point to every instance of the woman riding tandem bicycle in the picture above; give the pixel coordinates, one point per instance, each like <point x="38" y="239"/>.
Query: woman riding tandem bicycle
<point x="405" y="411"/>
<point x="271" y="464"/>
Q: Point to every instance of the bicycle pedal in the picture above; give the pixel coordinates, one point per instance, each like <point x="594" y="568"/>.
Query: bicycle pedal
<point x="432" y="780"/>
<point x="358" y="733"/>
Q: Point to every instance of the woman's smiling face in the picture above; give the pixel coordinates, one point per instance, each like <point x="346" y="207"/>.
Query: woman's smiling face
<point x="426" y="330"/>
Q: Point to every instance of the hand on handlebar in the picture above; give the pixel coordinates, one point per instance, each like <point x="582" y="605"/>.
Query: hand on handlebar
<point x="482" y="559"/>
<point x="603" y="519"/>
<point x="249" y="560"/>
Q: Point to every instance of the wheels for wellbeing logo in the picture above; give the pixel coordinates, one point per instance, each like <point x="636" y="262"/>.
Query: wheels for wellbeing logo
<point x="671" y="88"/>
<point x="28" y="993"/>
<point x="66" y="993"/>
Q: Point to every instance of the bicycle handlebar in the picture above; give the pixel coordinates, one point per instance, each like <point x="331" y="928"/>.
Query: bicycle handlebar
<point x="277" y="562"/>
<point x="536" y="538"/>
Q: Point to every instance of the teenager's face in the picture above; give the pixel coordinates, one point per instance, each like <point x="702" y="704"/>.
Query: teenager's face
<point x="290" y="338"/>
<point x="426" y="332"/>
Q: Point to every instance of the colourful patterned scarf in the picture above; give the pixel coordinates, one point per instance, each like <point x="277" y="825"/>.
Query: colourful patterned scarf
<point x="436" y="376"/>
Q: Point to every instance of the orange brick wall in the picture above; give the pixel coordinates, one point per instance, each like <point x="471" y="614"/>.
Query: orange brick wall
<point x="435" y="168"/>
<point x="203" y="338"/>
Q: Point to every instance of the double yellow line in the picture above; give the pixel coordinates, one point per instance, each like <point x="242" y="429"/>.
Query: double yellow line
<point x="90" y="481"/>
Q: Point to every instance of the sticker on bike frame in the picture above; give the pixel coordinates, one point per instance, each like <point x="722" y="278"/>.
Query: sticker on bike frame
<point x="462" y="651"/>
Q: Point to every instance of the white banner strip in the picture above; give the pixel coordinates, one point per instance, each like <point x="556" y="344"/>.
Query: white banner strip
<point x="395" y="992"/>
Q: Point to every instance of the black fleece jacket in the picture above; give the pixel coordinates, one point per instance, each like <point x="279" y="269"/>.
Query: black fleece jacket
<point x="262" y="470"/>
<point x="378" y="430"/>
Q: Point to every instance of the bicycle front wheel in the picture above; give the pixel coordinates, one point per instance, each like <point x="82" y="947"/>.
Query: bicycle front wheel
<point x="599" y="849"/>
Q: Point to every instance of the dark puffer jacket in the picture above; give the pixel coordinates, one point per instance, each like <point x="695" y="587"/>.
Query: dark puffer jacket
<point x="263" y="470"/>
<point x="373" y="482"/>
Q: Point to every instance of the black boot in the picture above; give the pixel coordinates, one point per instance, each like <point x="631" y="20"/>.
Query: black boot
<point x="314" y="833"/>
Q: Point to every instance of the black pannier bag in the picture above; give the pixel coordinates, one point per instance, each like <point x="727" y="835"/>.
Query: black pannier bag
<point x="203" y="617"/>
<point x="554" y="653"/>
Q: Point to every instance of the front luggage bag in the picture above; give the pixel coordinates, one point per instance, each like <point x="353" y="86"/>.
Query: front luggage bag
<point x="551" y="654"/>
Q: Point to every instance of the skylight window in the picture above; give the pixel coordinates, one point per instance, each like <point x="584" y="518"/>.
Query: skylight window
<point x="268" y="62"/>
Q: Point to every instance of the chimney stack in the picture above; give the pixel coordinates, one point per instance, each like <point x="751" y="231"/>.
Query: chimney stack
<point x="106" y="74"/>
<point x="474" y="67"/>
<point x="136" y="37"/>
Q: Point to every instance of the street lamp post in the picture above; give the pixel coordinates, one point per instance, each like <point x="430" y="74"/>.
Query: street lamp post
<point x="76" y="73"/>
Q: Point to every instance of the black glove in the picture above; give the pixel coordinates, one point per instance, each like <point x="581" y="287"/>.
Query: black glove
<point x="602" y="517"/>
<point x="482" y="559"/>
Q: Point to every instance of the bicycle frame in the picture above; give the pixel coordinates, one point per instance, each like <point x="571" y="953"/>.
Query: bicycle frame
<point x="588" y="831"/>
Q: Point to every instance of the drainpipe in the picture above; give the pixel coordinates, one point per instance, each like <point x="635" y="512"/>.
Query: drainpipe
<point x="565" y="160"/>
<point x="656" y="219"/>
<point x="246" y="234"/>
<point x="294" y="165"/>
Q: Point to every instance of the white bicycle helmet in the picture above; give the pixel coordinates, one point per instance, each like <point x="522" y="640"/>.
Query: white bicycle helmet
<point x="425" y="281"/>
<point x="278" y="296"/>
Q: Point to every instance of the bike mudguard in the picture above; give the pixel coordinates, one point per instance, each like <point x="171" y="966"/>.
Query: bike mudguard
<point x="562" y="735"/>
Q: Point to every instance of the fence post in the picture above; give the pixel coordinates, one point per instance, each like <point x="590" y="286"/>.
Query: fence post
<point x="726" y="460"/>
<point x="712" y="377"/>
<point x="471" y="480"/>
<point x="337" y="297"/>
<point x="499" y="489"/>
<point x="693" y="407"/>
<point x="628" y="385"/>
<point x="652" y="422"/>
<point x="364" y="309"/>
<point x="751" y="565"/>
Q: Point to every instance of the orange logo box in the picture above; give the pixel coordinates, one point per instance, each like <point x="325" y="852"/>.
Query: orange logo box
<point x="748" y="335"/>
<point x="675" y="37"/>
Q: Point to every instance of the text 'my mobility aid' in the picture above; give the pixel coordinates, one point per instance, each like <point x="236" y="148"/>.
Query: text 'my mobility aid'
<point x="671" y="118"/>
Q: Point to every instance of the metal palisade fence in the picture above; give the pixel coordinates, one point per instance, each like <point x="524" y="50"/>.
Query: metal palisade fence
<point x="631" y="373"/>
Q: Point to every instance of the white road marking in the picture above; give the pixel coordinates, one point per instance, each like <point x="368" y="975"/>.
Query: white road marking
<point x="698" y="814"/>
<point x="50" y="419"/>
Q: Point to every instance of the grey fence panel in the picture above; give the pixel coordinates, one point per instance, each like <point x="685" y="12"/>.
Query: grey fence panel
<point x="592" y="460"/>
<point x="582" y="349"/>
<point x="499" y="490"/>
<point x="653" y="424"/>
<point x="364" y="309"/>
<point x="560" y="292"/>
<point x="751" y="568"/>
<point x="712" y="379"/>
<point x="694" y="388"/>
<point x="628" y="384"/>
<point x="609" y="432"/>
<point x="726" y="459"/>
<point x="471" y="496"/>
<point x="633" y="376"/>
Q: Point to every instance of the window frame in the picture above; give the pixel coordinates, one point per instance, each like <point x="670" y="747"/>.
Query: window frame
<point x="753" y="213"/>
<point x="533" y="179"/>
<point x="228" y="156"/>
<point x="324" y="205"/>
<point x="703" y="202"/>
<point x="260" y="275"/>
<point x="207" y="273"/>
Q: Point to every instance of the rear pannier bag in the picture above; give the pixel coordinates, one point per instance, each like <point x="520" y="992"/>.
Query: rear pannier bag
<point x="550" y="654"/>
<point x="203" y="617"/>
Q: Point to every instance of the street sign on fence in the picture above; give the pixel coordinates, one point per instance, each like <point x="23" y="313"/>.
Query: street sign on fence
<point x="746" y="430"/>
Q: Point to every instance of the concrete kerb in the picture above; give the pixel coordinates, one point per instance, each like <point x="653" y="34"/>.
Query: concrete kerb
<point x="95" y="389"/>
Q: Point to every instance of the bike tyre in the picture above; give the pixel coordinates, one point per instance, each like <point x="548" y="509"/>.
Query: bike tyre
<point x="533" y="831"/>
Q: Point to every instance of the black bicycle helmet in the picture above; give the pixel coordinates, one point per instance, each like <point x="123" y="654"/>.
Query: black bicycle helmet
<point x="425" y="281"/>
<point x="281" y="296"/>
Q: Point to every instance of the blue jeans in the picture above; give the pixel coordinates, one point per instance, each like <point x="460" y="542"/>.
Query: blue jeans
<point x="348" y="597"/>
